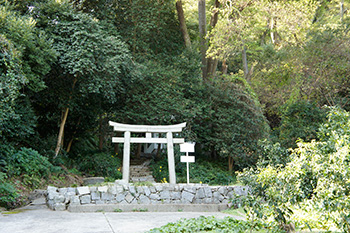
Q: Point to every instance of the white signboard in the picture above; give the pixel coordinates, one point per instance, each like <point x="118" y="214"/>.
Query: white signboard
<point x="187" y="147"/>
<point x="187" y="159"/>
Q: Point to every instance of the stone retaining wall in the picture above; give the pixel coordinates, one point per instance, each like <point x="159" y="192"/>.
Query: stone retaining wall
<point x="114" y="193"/>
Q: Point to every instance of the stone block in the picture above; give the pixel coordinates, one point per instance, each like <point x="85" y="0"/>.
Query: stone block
<point x="200" y="194"/>
<point x="63" y="191"/>
<point x="93" y="189"/>
<point x="113" y="190"/>
<point x="120" y="197"/>
<point x="50" y="204"/>
<point x="241" y="190"/>
<point x="166" y="201"/>
<point x="83" y="190"/>
<point x="225" y="201"/>
<point x="106" y="196"/>
<point x="103" y="189"/>
<point x="187" y="196"/>
<point x="59" y="206"/>
<point x="51" y="195"/>
<point x="164" y="194"/>
<point x="190" y="189"/>
<point x="119" y="188"/>
<point x="208" y="200"/>
<point x="175" y="195"/>
<point x="139" y="190"/>
<point x="99" y="202"/>
<point x="154" y="196"/>
<point x="153" y="201"/>
<point x="144" y="200"/>
<point x="129" y="198"/>
<point x="124" y="202"/>
<point x="147" y="191"/>
<point x="198" y="201"/>
<point x="159" y="188"/>
<point x="59" y="198"/>
<point x="85" y="199"/>
<point x="51" y="189"/>
<point x="208" y="192"/>
<point x="152" y="189"/>
<point x="217" y="197"/>
<point x="75" y="200"/>
<point x="223" y="190"/>
<point x="231" y="194"/>
<point x="134" y="201"/>
<point x="72" y="190"/>
<point x="95" y="196"/>
<point x="132" y="189"/>
<point x="185" y="201"/>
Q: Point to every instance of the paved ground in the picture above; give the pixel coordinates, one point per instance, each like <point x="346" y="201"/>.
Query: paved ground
<point x="38" y="218"/>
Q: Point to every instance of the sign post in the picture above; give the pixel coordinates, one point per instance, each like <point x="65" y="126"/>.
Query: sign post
<point x="187" y="147"/>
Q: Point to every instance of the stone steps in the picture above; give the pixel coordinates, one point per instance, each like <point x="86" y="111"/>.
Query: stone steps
<point x="141" y="172"/>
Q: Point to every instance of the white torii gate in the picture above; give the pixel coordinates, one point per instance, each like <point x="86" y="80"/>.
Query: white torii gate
<point x="148" y="129"/>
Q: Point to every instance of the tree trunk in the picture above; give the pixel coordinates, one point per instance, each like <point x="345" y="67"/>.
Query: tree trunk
<point x="138" y="152"/>
<point x="272" y="35"/>
<point x="63" y="123"/>
<point x="202" y="33"/>
<point x="230" y="163"/>
<point x="245" y="62"/>
<point x="158" y="152"/>
<point x="183" y="27"/>
<point x="341" y="10"/>
<point x="70" y="144"/>
<point x="60" y="134"/>
<point x="224" y="67"/>
<point x="101" y="133"/>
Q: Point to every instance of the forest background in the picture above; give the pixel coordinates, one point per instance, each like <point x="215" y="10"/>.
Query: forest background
<point x="250" y="78"/>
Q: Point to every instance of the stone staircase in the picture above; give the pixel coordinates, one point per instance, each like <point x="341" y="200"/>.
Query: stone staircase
<point x="140" y="171"/>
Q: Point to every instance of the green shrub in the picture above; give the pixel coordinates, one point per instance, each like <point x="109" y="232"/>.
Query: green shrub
<point x="212" y="224"/>
<point x="29" y="162"/>
<point x="299" y="120"/>
<point x="318" y="172"/>
<point x="273" y="154"/>
<point x="96" y="163"/>
<point x="8" y="193"/>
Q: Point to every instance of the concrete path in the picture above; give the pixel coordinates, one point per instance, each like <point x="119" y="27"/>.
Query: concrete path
<point x="37" y="218"/>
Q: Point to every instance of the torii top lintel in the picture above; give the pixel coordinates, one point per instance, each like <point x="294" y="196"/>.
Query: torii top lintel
<point x="147" y="128"/>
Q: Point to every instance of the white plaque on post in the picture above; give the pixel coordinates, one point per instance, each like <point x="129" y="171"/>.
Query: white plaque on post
<point x="187" y="147"/>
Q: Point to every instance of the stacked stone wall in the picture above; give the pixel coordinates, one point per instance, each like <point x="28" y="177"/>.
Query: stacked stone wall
<point x="61" y="198"/>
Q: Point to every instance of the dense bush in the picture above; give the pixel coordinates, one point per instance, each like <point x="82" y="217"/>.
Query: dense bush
<point x="95" y="163"/>
<point x="29" y="162"/>
<point x="318" y="173"/>
<point x="8" y="193"/>
<point x="299" y="120"/>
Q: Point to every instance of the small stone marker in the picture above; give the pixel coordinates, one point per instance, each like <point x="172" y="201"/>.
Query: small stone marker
<point x="187" y="147"/>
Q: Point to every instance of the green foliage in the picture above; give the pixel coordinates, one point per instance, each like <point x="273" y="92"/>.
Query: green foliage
<point x="94" y="163"/>
<point x="318" y="172"/>
<point x="212" y="224"/>
<point x="8" y="193"/>
<point x="299" y="120"/>
<point x="28" y="162"/>
<point x="231" y="122"/>
<point x="272" y="154"/>
<point x="200" y="172"/>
